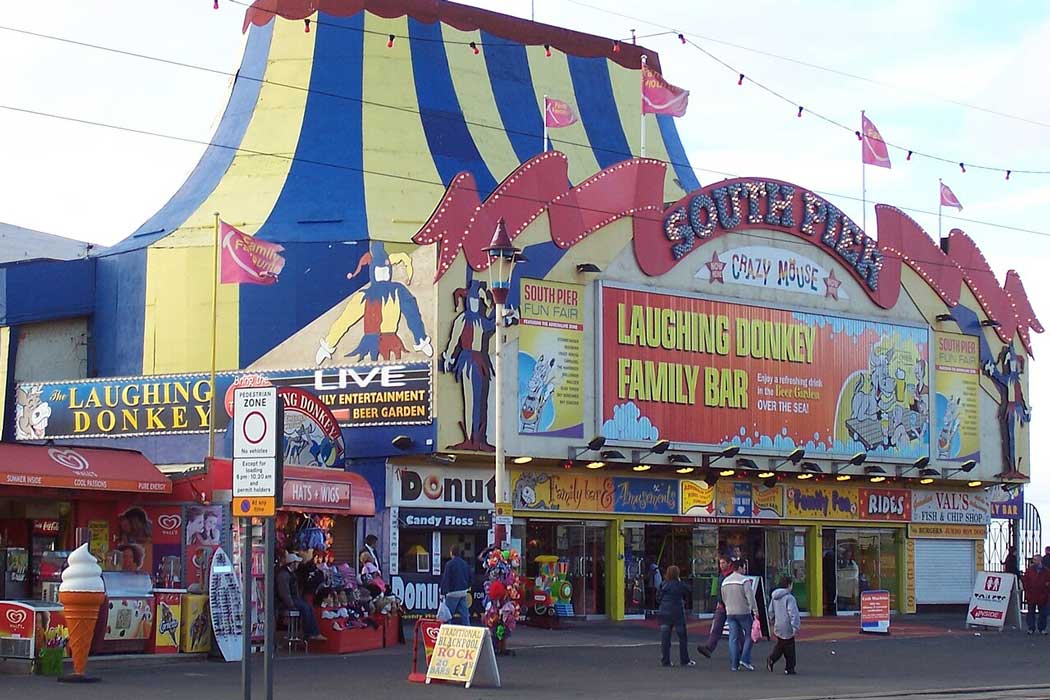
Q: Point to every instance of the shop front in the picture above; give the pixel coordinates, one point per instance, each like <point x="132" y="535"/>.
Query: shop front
<point x="55" y="499"/>
<point x="945" y="545"/>
<point x="614" y="537"/>
<point x="431" y="510"/>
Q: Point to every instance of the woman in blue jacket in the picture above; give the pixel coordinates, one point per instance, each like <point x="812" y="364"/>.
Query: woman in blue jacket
<point x="672" y="596"/>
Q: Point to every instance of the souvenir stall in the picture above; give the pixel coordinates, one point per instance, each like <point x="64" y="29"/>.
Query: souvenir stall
<point x="318" y="523"/>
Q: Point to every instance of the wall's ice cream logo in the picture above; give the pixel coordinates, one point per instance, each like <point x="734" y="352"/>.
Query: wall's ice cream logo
<point x="169" y="522"/>
<point x="70" y="459"/>
<point x="16" y="617"/>
<point x="698" y="495"/>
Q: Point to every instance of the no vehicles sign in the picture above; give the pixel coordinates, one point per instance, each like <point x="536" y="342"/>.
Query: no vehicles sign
<point x="257" y="432"/>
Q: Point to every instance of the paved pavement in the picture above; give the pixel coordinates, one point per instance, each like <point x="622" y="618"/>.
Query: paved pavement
<point x="615" y="662"/>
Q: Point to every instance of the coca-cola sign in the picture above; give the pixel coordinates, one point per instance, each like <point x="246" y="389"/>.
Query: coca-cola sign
<point x="46" y="528"/>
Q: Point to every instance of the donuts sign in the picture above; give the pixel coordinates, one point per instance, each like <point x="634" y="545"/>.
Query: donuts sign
<point x="440" y="488"/>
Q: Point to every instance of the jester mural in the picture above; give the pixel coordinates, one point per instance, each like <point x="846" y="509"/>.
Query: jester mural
<point x="467" y="358"/>
<point x="380" y="305"/>
<point x="1014" y="411"/>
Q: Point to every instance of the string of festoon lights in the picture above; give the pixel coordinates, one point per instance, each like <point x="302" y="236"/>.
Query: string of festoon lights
<point x="742" y="78"/>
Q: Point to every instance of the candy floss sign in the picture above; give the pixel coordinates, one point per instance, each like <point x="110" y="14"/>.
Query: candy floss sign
<point x="703" y="372"/>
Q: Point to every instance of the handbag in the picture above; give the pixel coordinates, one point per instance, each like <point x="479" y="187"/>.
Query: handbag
<point x="443" y="613"/>
<point x="756" y="629"/>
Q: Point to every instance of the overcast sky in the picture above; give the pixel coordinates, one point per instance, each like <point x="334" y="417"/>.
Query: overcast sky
<point x="921" y="59"/>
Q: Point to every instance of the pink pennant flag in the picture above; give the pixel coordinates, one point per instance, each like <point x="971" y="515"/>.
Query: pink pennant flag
<point x="558" y="114"/>
<point x="660" y="97"/>
<point x="873" y="149"/>
<point x="246" y="259"/>
<point x="948" y="198"/>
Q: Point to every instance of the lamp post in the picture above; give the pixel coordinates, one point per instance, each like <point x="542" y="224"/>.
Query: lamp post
<point x="502" y="256"/>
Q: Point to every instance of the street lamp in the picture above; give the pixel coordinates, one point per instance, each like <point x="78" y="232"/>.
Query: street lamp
<point x="502" y="256"/>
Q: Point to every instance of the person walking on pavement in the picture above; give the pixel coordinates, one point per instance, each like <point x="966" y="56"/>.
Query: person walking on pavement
<point x="671" y="598"/>
<point x="1036" y="583"/>
<point x="455" y="585"/>
<point x="719" y="622"/>
<point x="785" y="620"/>
<point x="739" y="598"/>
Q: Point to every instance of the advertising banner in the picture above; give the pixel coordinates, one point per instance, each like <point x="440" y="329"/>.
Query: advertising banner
<point x="1007" y="506"/>
<point x="550" y="359"/>
<point x="167" y="546"/>
<point x="819" y="502"/>
<point x="704" y="372"/>
<point x="956" y="383"/>
<point x="594" y="493"/>
<point x="381" y="395"/>
<point x="947" y="532"/>
<point x="732" y="499"/>
<point x="950" y="508"/>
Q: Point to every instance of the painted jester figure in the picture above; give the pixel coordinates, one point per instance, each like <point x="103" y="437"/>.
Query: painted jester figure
<point x="380" y="305"/>
<point x="467" y="358"/>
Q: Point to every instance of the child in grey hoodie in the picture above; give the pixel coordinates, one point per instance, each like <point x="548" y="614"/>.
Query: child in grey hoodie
<point x="785" y="621"/>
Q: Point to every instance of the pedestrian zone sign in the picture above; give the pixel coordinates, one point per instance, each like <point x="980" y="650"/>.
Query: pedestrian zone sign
<point x="464" y="654"/>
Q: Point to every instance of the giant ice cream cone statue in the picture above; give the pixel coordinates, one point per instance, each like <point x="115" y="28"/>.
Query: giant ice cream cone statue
<point x="81" y="594"/>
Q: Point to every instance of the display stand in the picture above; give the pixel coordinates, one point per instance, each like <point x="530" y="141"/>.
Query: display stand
<point x="995" y="602"/>
<point x="424" y="637"/>
<point x="464" y="655"/>
<point x="875" y="612"/>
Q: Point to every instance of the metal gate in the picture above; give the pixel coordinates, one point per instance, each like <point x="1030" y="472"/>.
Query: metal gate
<point x="1002" y="533"/>
<point x="1031" y="535"/>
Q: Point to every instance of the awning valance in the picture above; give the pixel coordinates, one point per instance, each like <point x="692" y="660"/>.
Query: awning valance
<point x="81" y="468"/>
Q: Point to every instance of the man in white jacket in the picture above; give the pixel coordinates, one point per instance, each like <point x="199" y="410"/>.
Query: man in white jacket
<point x="739" y="598"/>
<point x="785" y="621"/>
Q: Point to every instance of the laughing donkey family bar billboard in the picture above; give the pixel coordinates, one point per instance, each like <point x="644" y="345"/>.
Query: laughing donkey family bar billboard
<point x="697" y="371"/>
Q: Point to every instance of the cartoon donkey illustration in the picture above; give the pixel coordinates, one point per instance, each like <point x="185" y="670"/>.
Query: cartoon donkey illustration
<point x="540" y="390"/>
<point x="525" y="495"/>
<point x="31" y="414"/>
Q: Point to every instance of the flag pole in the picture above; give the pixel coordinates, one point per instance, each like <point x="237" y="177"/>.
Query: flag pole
<point x="641" y="151"/>
<point x="863" y="177"/>
<point x="546" y="131"/>
<point x="940" y="207"/>
<point x="214" y="330"/>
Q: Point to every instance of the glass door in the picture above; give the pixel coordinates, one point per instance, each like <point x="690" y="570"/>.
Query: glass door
<point x="593" y="570"/>
<point x="634" y="570"/>
<point x="858" y="567"/>
<point x="582" y="546"/>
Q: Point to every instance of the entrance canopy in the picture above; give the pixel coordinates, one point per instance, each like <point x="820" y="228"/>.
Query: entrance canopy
<point x="327" y="490"/>
<point x="80" y="468"/>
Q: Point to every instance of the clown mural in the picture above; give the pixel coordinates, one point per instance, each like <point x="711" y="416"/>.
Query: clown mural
<point x="380" y="305"/>
<point x="467" y="358"/>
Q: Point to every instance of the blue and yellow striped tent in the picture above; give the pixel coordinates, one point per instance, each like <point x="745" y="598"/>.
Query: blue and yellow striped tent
<point x="338" y="135"/>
